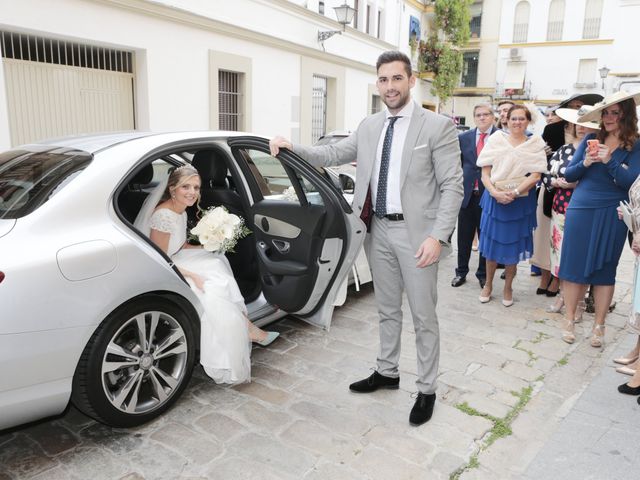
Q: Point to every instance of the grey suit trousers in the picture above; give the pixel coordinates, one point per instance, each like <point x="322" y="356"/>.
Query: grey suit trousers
<point x="394" y="269"/>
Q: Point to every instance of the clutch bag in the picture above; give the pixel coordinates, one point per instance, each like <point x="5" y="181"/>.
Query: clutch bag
<point x="510" y="184"/>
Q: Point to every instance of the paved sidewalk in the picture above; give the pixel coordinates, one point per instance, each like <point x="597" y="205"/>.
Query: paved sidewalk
<point x="512" y="400"/>
<point x="599" y="438"/>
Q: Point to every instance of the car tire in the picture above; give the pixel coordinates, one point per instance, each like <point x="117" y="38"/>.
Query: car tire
<point x="136" y="364"/>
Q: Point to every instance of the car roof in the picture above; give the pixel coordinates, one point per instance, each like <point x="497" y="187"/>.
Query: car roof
<point x="92" y="143"/>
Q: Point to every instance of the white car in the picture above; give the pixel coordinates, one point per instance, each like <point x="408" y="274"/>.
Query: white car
<point x="343" y="178"/>
<point x="87" y="300"/>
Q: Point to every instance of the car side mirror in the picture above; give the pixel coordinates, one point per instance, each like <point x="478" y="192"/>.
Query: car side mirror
<point x="347" y="184"/>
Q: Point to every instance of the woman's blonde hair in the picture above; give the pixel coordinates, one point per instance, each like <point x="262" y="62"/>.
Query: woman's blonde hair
<point x="179" y="177"/>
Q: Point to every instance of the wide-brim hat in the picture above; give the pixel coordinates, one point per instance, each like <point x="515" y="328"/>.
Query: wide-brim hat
<point x="571" y="116"/>
<point x="594" y="114"/>
<point x="585" y="98"/>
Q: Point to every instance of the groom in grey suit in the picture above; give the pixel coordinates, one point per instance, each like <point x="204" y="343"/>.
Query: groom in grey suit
<point x="408" y="191"/>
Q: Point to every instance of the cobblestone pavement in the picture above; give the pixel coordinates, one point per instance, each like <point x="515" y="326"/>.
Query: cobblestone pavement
<point x="506" y="381"/>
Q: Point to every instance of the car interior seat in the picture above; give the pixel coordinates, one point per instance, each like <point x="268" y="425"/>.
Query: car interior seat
<point x="131" y="199"/>
<point x="215" y="191"/>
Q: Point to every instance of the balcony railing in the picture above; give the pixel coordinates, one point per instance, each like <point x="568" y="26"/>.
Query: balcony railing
<point x="591" y="28"/>
<point x="523" y="93"/>
<point x="520" y="32"/>
<point x="554" y="31"/>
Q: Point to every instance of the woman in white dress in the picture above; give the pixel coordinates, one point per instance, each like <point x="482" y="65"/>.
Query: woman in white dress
<point x="226" y="333"/>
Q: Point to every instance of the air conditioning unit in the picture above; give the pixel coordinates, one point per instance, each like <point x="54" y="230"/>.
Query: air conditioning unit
<point x="515" y="53"/>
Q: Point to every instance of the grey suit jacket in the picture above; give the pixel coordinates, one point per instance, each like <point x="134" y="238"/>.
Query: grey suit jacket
<point x="431" y="187"/>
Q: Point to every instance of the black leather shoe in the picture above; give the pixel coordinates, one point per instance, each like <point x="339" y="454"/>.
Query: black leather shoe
<point x="624" y="388"/>
<point x="374" y="382"/>
<point x="482" y="282"/>
<point x="422" y="409"/>
<point x="457" y="281"/>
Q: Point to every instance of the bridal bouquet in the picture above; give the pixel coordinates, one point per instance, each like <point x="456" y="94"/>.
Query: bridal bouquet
<point x="219" y="231"/>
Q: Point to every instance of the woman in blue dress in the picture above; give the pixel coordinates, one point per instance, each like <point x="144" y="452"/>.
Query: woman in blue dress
<point x="511" y="166"/>
<point x="592" y="227"/>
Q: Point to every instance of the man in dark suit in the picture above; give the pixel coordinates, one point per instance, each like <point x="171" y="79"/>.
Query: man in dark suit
<point x="471" y="144"/>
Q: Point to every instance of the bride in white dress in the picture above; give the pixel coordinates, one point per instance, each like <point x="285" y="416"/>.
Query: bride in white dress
<point x="226" y="332"/>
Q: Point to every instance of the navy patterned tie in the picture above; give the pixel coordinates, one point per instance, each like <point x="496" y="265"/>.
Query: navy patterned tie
<point x="381" y="196"/>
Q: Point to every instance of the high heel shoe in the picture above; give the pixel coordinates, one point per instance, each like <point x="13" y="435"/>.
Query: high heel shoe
<point x="505" y="302"/>
<point x="556" y="307"/>
<point x="484" y="298"/>
<point x="625" y="360"/>
<point x="625" y="388"/>
<point x="568" y="334"/>
<point x="597" y="339"/>
<point x="268" y="340"/>
<point x="626" y="371"/>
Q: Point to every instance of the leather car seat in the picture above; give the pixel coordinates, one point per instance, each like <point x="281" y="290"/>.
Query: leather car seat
<point x="215" y="191"/>
<point x="131" y="199"/>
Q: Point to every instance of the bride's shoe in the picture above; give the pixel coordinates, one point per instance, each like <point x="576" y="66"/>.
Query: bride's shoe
<point x="268" y="339"/>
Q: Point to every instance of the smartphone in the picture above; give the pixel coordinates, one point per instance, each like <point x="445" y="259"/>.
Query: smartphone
<point x="593" y="146"/>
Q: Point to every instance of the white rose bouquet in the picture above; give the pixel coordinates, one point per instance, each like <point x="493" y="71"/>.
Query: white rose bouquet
<point x="219" y="231"/>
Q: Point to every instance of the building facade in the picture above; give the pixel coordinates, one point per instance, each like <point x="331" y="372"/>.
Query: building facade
<point x="250" y="65"/>
<point x="478" y="79"/>
<point x="552" y="49"/>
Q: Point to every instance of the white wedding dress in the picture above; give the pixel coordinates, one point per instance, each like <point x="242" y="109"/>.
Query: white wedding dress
<point x="225" y="347"/>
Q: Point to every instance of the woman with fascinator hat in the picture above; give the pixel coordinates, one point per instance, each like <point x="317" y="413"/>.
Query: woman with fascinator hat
<point x="555" y="135"/>
<point x="226" y="332"/>
<point x="562" y="191"/>
<point x="594" y="235"/>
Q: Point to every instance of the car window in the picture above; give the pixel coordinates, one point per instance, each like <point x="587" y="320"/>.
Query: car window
<point x="270" y="171"/>
<point x="29" y="179"/>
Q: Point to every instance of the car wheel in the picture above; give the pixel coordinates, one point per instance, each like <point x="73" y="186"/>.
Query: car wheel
<point x="136" y="364"/>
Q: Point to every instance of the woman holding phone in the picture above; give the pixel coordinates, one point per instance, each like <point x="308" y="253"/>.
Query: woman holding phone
<point x="604" y="165"/>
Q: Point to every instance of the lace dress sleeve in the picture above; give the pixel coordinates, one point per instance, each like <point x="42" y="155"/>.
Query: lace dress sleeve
<point x="163" y="221"/>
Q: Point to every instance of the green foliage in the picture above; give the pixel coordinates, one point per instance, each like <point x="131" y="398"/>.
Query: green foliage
<point x="440" y="53"/>
<point x="453" y="19"/>
<point x="449" y="70"/>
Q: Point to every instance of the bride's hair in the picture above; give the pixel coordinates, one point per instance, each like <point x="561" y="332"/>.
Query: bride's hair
<point x="179" y="177"/>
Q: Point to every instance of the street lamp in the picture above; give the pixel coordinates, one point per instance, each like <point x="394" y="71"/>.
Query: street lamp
<point x="604" y="71"/>
<point x="344" y="15"/>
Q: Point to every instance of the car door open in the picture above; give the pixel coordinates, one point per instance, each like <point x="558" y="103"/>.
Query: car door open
<point x="305" y="234"/>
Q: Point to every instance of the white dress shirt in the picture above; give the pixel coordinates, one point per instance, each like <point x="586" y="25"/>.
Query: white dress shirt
<point x="478" y="132"/>
<point x="400" y="129"/>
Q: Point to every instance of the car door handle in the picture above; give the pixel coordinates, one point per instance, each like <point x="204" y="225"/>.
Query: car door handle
<point x="281" y="245"/>
<point x="279" y="267"/>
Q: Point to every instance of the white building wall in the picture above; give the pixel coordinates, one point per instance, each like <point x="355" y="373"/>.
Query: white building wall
<point x="172" y="41"/>
<point x="552" y="67"/>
